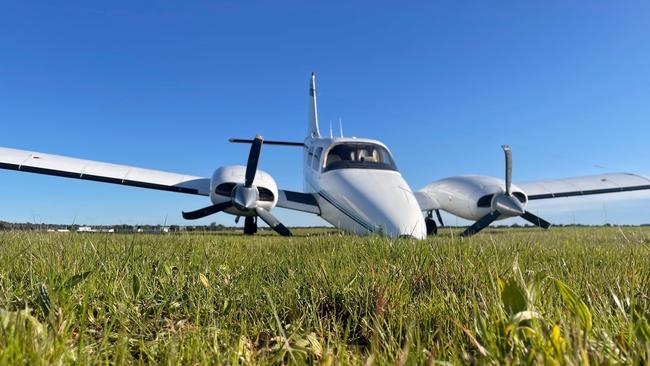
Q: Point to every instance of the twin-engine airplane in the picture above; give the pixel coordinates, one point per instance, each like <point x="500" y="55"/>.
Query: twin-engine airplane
<point x="352" y="183"/>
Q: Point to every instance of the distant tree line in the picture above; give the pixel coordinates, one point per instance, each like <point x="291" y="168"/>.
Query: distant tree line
<point x="122" y="228"/>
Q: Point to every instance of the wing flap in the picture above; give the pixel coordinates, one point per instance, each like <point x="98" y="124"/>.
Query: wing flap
<point x="63" y="166"/>
<point x="587" y="185"/>
<point x="298" y="201"/>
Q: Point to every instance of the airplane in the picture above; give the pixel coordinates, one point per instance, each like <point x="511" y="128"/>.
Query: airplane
<point x="352" y="183"/>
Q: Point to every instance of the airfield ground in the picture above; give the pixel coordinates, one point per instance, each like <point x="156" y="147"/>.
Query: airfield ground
<point x="565" y="296"/>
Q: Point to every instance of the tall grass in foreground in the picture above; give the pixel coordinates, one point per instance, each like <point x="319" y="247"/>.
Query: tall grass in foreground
<point x="566" y="296"/>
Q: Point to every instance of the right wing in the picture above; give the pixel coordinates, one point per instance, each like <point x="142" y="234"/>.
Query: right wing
<point x="426" y="201"/>
<point x="581" y="186"/>
<point x="63" y="166"/>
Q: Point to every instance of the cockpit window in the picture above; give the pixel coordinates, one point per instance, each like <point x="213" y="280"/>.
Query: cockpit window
<point x="357" y="155"/>
<point x="316" y="161"/>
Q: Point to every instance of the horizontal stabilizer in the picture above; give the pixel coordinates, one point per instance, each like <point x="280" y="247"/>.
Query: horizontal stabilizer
<point x="267" y="142"/>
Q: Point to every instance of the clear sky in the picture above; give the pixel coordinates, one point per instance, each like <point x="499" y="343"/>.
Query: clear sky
<point x="163" y="85"/>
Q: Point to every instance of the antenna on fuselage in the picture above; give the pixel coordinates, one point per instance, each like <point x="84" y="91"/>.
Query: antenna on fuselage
<point x="341" y="126"/>
<point x="331" y="133"/>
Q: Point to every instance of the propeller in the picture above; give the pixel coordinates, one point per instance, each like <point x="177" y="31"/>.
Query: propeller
<point x="272" y="222"/>
<point x="506" y="204"/>
<point x="508" y="152"/>
<point x="245" y="197"/>
<point x="536" y="220"/>
<point x="206" y="211"/>
<point x="253" y="159"/>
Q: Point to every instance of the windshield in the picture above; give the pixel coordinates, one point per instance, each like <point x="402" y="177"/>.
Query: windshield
<point x="359" y="155"/>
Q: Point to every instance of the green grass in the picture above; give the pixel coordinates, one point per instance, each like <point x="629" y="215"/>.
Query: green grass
<point x="565" y="296"/>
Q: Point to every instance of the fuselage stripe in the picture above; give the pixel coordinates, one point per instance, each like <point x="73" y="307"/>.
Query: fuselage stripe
<point x="346" y="212"/>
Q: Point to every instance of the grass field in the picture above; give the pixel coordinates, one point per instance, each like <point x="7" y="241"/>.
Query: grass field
<point x="565" y="296"/>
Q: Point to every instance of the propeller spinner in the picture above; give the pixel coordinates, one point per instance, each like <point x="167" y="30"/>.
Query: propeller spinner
<point x="245" y="198"/>
<point x="505" y="204"/>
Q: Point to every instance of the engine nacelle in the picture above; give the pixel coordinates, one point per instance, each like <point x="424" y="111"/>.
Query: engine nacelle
<point x="226" y="178"/>
<point x="470" y="197"/>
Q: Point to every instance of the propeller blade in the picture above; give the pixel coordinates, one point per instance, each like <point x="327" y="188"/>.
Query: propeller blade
<point x="508" y="152"/>
<point x="536" y="220"/>
<point x="206" y="211"/>
<point x="253" y="159"/>
<point x="272" y="222"/>
<point x="482" y="223"/>
<point x="439" y="218"/>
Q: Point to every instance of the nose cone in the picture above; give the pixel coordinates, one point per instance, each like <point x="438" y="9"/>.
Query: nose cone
<point x="245" y="198"/>
<point x="380" y="201"/>
<point x="508" y="205"/>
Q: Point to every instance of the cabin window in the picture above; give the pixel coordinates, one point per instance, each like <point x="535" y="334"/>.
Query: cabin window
<point x="310" y="155"/>
<point x="316" y="161"/>
<point x="359" y="155"/>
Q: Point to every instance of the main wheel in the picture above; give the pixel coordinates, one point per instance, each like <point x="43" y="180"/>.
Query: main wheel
<point x="432" y="228"/>
<point x="250" y="225"/>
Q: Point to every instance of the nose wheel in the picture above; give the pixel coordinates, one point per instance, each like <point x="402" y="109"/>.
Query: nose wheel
<point x="250" y="225"/>
<point x="432" y="227"/>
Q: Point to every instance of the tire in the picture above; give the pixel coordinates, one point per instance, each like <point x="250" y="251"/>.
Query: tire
<point x="250" y="225"/>
<point x="432" y="228"/>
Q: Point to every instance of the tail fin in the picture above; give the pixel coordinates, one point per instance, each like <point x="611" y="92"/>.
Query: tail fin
<point x="313" y="109"/>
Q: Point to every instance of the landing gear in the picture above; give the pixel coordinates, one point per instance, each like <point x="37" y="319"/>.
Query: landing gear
<point x="432" y="228"/>
<point x="250" y="225"/>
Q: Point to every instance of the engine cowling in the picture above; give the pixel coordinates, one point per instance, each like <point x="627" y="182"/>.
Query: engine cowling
<point x="483" y="199"/>
<point x="226" y="179"/>
<point x="472" y="197"/>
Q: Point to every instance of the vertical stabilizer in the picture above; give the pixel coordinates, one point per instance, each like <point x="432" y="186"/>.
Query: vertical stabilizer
<point x="313" y="109"/>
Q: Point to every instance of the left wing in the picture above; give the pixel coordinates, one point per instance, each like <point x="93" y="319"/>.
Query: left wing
<point x="582" y="186"/>
<point x="63" y="166"/>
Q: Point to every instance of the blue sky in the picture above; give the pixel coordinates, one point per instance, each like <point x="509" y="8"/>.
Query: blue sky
<point x="163" y="85"/>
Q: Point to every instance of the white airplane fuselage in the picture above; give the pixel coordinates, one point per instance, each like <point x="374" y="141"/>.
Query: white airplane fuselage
<point x="352" y="183"/>
<point x="361" y="196"/>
